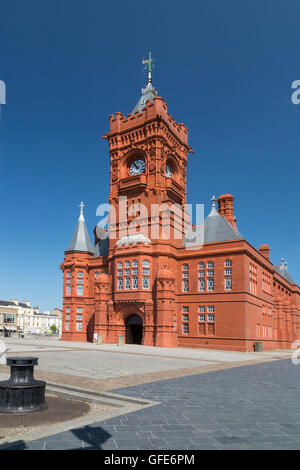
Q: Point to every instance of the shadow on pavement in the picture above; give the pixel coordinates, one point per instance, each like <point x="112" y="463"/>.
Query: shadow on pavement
<point x="87" y="438"/>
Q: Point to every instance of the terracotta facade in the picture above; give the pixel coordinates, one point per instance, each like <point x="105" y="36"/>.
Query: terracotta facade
<point x="154" y="291"/>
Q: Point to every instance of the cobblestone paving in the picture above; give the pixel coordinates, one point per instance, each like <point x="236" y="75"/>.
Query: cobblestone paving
<point x="249" y="407"/>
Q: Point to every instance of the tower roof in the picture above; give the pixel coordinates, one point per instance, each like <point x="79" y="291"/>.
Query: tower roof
<point x="216" y="229"/>
<point x="282" y="270"/>
<point x="81" y="240"/>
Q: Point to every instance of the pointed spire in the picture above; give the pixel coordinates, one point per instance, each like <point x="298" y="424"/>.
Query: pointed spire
<point x="213" y="209"/>
<point x="81" y="240"/>
<point x="149" y="92"/>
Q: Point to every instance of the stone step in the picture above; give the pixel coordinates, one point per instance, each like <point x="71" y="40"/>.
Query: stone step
<point x="110" y="399"/>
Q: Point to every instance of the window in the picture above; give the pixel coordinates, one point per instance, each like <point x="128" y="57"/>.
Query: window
<point x="210" y="309"/>
<point x="67" y="325"/>
<point x="80" y="283"/>
<point x="120" y="272"/>
<point x="210" y="317"/>
<point x="127" y="264"/>
<point x="201" y="265"/>
<point x="69" y="274"/>
<point x="228" y="272"/>
<point x="9" y="317"/>
<point x="79" y="309"/>
<point x="127" y="282"/>
<point x="79" y="316"/>
<point x="185" y="275"/>
<point x="228" y="263"/>
<point x="134" y="282"/>
<point x="68" y="316"/>
<point x="79" y="325"/>
<point x="201" y="317"/>
<point x="210" y="272"/>
<point x="210" y="264"/>
<point x="146" y="274"/>
<point x="201" y="273"/>
<point x="120" y="265"/>
<point x="127" y="272"/>
<point x="68" y="289"/>
<point x="201" y="284"/>
<point x="185" y="320"/>
<point x="146" y="282"/>
<point x="210" y="283"/>
<point x="228" y="283"/>
<point x="68" y="309"/>
<point x="96" y="274"/>
<point x="201" y="308"/>
<point x="120" y="283"/>
<point x="134" y="263"/>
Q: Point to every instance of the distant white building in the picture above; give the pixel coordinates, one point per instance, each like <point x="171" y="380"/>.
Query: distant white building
<point x="16" y="316"/>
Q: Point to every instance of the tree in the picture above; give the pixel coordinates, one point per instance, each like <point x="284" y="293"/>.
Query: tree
<point x="53" y="328"/>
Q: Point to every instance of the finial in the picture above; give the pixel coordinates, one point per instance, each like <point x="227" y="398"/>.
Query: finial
<point x="285" y="265"/>
<point x="81" y="208"/>
<point x="148" y="65"/>
<point x="213" y="199"/>
<point x="282" y="262"/>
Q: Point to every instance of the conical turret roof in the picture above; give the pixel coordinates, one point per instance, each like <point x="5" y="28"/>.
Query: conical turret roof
<point x="81" y="240"/>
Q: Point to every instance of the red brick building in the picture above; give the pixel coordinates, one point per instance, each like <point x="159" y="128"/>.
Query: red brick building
<point x="163" y="290"/>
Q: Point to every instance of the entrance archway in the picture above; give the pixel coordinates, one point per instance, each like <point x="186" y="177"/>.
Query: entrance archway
<point x="134" y="329"/>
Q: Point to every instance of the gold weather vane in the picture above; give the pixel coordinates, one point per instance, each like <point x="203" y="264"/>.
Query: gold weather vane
<point x="149" y="66"/>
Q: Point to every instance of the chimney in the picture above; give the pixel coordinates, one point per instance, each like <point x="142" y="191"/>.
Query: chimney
<point x="225" y="203"/>
<point x="265" y="251"/>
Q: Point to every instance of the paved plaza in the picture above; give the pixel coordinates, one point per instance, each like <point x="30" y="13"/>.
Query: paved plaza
<point x="197" y="399"/>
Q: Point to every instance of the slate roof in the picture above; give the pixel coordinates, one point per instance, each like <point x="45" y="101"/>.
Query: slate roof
<point x="8" y="303"/>
<point x="216" y="229"/>
<point x="282" y="270"/>
<point x="81" y="240"/>
<point x="148" y="93"/>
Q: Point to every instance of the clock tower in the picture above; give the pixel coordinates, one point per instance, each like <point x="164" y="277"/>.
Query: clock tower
<point x="148" y="155"/>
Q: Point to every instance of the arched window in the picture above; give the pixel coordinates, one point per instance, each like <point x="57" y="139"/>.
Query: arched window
<point x="96" y="274"/>
<point x="201" y="265"/>
<point x="146" y="263"/>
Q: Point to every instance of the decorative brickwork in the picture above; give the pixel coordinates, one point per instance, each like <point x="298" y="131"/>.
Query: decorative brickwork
<point x="139" y="286"/>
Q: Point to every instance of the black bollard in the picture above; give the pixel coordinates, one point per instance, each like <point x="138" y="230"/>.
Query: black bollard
<point x="21" y="393"/>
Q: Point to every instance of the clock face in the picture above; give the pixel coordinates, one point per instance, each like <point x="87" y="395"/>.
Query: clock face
<point x="137" y="167"/>
<point x="168" y="171"/>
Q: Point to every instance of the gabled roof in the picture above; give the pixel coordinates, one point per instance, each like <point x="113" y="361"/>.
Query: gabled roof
<point x="81" y="240"/>
<point x="216" y="229"/>
<point x="282" y="270"/>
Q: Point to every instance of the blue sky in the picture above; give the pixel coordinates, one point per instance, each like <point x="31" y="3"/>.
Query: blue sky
<point x="224" y="68"/>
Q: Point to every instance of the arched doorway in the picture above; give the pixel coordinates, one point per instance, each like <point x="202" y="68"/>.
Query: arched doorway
<point x="134" y="329"/>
